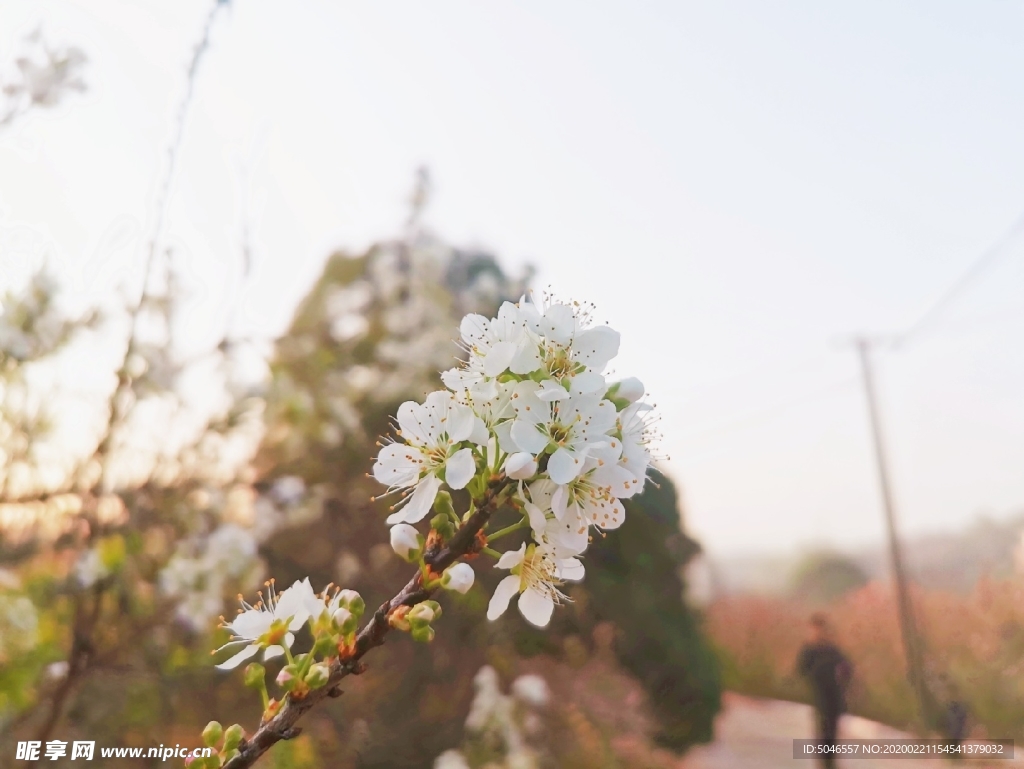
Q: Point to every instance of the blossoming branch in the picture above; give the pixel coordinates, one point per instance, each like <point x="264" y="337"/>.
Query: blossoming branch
<point x="528" y="427"/>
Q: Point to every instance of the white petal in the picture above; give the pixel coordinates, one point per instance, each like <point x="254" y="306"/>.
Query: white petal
<point x="507" y="588"/>
<point x="520" y="466"/>
<point x="527" y="358"/>
<point x="398" y="465"/>
<point x="558" y="323"/>
<point x="298" y="602"/>
<point x="596" y="346"/>
<point x="536" y="607"/>
<point x="611" y="517"/>
<point x="587" y="382"/>
<point x="621" y="481"/>
<point x="552" y="391"/>
<point x="511" y="558"/>
<point x="527" y="437"/>
<point x="564" y="466"/>
<point x="498" y="358"/>
<point x="504" y="433"/>
<point x="461" y="421"/>
<point x="459" y="469"/>
<point x="474" y="328"/>
<point x="419" y="503"/>
<point x="571" y="569"/>
<point x="479" y="435"/>
<point x="573" y="534"/>
<point x="242" y="656"/>
<point x="455" y="379"/>
<point x="251" y="624"/>
<point x="560" y="501"/>
<point x="538" y="521"/>
<point x="416" y="424"/>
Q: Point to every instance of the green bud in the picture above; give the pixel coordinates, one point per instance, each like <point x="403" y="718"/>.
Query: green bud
<point x="228" y="755"/>
<point x="443" y="503"/>
<point x="345" y="621"/>
<point x="317" y="676"/>
<point x="351" y="600"/>
<point x="423" y="634"/>
<point x="233" y="737"/>
<point x="255" y="675"/>
<point x="212" y="734"/>
<point x="443" y="525"/>
<point x="434" y="606"/>
<point x="325" y="645"/>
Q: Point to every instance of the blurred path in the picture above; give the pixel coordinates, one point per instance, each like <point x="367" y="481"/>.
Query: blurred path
<point x="759" y="734"/>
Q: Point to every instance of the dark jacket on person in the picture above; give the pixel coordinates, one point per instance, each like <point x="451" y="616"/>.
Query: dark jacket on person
<point x="828" y="672"/>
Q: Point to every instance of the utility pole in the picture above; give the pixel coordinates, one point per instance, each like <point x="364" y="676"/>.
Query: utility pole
<point x="908" y="629"/>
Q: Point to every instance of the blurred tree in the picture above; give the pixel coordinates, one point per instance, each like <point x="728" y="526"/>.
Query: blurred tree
<point x="374" y="331"/>
<point x="823" y="577"/>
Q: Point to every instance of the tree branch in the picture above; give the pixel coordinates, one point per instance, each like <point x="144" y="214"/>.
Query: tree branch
<point x="283" y="725"/>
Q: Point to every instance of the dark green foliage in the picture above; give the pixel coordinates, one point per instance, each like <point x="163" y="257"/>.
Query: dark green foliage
<point x="634" y="580"/>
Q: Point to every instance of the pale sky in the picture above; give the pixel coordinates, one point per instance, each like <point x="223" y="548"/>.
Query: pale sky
<point x="739" y="186"/>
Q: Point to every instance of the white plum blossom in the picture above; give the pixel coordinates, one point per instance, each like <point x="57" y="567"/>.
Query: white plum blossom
<point x="432" y="453"/>
<point x="493" y="346"/>
<point x="537" y="572"/>
<point x="530" y="404"/>
<point x="291" y="608"/>
<point x="572" y="427"/>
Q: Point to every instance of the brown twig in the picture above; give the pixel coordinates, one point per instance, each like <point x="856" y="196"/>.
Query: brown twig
<point x="283" y="725"/>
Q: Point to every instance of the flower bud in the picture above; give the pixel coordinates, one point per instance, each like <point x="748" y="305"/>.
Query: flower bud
<point x="520" y="466"/>
<point x="458" y="578"/>
<point x="255" y="675"/>
<point x="420" y="615"/>
<point x="325" y="645"/>
<point x="228" y="756"/>
<point x="443" y="503"/>
<point x="233" y="736"/>
<point x="631" y="389"/>
<point x="434" y="607"/>
<point x="443" y="525"/>
<point x="287" y="679"/>
<point x="344" y="620"/>
<point x="351" y="600"/>
<point x="212" y="734"/>
<point x="317" y="676"/>
<point x="423" y="634"/>
<point x="406" y="542"/>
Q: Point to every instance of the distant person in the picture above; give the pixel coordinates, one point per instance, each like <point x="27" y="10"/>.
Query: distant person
<point x="955" y="717"/>
<point x="828" y="673"/>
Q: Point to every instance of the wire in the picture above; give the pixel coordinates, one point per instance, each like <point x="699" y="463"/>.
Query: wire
<point x="982" y="263"/>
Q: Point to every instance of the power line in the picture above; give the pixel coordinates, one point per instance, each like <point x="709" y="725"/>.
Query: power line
<point x="985" y="260"/>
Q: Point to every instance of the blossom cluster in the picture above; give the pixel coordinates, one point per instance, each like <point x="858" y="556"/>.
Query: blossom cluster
<point x="532" y="404"/>
<point x="505" y="720"/>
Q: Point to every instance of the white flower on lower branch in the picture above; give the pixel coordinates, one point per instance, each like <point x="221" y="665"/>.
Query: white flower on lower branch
<point x="270" y="624"/>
